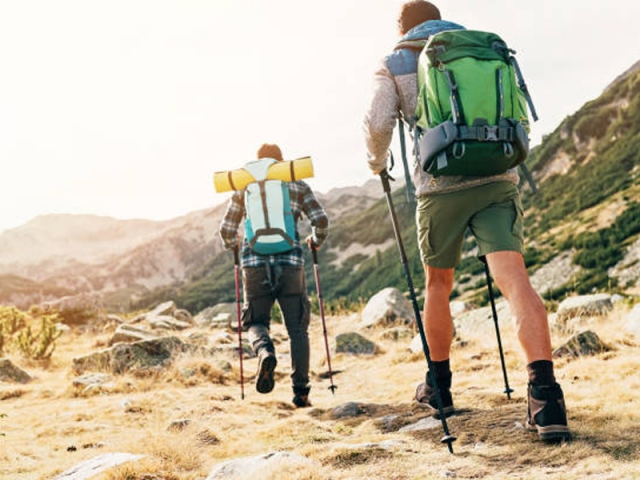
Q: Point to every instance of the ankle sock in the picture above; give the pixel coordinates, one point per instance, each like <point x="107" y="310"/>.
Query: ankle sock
<point x="442" y="372"/>
<point x="541" y="372"/>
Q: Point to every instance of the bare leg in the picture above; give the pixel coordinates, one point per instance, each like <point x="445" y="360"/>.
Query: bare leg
<point x="527" y="309"/>
<point x="437" y="314"/>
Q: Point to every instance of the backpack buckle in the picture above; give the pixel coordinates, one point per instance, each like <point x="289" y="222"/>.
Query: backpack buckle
<point x="489" y="134"/>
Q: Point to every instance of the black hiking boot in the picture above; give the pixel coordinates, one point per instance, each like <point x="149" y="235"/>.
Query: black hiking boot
<point x="266" y="366"/>
<point x="426" y="395"/>
<point x="547" y="413"/>
<point x="301" y="397"/>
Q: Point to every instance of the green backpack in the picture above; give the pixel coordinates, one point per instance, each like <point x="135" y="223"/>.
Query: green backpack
<point x="471" y="116"/>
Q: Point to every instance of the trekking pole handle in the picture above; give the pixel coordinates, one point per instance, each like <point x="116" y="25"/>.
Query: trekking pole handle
<point x="385" y="178"/>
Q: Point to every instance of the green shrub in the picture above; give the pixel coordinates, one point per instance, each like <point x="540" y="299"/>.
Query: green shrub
<point x="16" y="331"/>
<point x="12" y="320"/>
<point x="40" y="345"/>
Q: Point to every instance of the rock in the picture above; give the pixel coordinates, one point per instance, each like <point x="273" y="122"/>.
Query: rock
<point x="11" y="374"/>
<point x="183" y="316"/>
<point x="165" y="308"/>
<point x="223" y="320"/>
<point x="387" y="307"/>
<point x="583" y="344"/>
<point x="123" y="357"/>
<point x="354" y="343"/>
<point x="346" y="410"/>
<point x="427" y="423"/>
<point x="166" y="322"/>
<point x="416" y="344"/>
<point x="206" y="316"/>
<point x="632" y="322"/>
<point x="128" y="333"/>
<point x="90" y="382"/>
<point x="583" y="306"/>
<point x="558" y="271"/>
<point x="481" y="319"/>
<point x="254" y="467"/>
<point x="458" y="307"/>
<point x="90" y="468"/>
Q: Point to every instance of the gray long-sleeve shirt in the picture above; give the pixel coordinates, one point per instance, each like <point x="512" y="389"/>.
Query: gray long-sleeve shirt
<point x="395" y="87"/>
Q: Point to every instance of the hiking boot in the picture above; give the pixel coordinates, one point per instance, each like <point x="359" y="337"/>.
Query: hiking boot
<point x="301" y="397"/>
<point x="426" y="396"/>
<point x="547" y="413"/>
<point x="266" y="366"/>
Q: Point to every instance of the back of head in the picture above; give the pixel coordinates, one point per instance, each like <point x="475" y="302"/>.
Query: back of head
<point x="415" y="12"/>
<point x="270" y="150"/>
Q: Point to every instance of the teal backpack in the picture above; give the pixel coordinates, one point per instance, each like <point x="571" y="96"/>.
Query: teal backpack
<point x="269" y="225"/>
<point x="471" y="116"/>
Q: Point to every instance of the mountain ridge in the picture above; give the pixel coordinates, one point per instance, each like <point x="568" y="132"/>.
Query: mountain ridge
<point x="587" y="171"/>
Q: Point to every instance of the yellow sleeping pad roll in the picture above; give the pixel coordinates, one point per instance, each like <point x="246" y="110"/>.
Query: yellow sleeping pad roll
<point x="286" y="171"/>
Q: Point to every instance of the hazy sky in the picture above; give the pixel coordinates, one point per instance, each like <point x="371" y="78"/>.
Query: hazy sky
<point x="127" y="108"/>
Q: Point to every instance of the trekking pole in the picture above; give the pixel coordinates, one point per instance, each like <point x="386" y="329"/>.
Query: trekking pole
<point x="507" y="389"/>
<point x="324" y="326"/>
<point x="385" y="177"/>
<point x="236" y="268"/>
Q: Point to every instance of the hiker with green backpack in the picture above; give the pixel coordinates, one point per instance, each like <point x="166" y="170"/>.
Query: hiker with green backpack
<point x="273" y="264"/>
<point x="461" y="94"/>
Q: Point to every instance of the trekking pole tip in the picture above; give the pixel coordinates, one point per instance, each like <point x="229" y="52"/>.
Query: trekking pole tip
<point x="332" y="388"/>
<point x="448" y="439"/>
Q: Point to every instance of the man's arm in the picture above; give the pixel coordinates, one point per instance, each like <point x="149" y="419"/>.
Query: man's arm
<point x="231" y="221"/>
<point x="381" y="118"/>
<point x="316" y="215"/>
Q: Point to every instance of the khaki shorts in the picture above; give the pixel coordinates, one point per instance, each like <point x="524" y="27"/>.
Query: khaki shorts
<point x="492" y="212"/>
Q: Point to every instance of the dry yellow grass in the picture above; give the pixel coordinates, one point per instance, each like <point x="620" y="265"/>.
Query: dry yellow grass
<point x="51" y="426"/>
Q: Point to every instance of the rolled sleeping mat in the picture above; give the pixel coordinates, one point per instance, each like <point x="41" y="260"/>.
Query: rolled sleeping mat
<point x="232" y="180"/>
<point x="291" y="170"/>
<point x="286" y="171"/>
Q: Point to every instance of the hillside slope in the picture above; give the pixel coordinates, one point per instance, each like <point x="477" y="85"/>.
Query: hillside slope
<point x="582" y="231"/>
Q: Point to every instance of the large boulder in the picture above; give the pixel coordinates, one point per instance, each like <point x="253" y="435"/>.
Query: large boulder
<point x="387" y="307"/>
<point x="123" y="357"/>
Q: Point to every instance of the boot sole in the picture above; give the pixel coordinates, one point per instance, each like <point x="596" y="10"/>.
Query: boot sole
<point x="551" y="433"/>
<point x="435" y="413"/>
<point x="265" y="381"/>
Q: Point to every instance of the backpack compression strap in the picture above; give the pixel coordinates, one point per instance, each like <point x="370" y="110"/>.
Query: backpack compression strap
<point x="439" y="138"/>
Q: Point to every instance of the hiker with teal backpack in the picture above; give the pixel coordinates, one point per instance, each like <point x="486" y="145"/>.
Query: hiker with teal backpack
<point x="273" y="264"/>
<point x="461" y="95"/>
